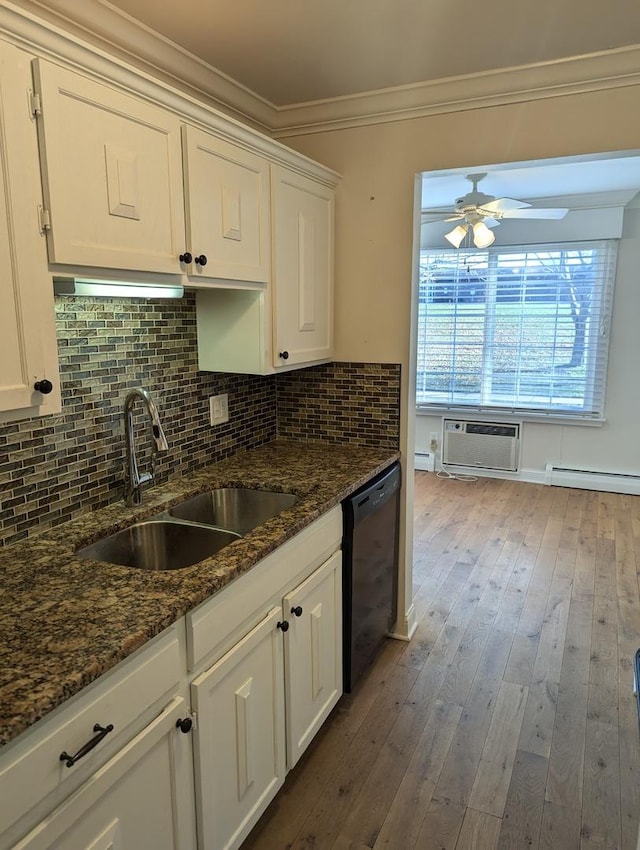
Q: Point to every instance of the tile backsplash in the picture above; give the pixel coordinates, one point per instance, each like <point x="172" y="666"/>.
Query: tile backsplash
<point x="57" y="467"/>
<point x="341" y="402"/>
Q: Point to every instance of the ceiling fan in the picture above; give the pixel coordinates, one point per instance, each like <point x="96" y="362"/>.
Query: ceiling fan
<point x="478" y="212"/>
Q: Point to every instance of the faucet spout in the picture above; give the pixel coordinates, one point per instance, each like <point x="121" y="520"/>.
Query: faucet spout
<point x="134" y="480"/>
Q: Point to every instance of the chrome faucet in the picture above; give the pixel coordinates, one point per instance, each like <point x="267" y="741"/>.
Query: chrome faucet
<point x="134" y="481"/>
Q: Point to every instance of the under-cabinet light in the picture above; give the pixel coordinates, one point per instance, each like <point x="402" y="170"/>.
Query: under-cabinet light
<point x="115" y="288"/>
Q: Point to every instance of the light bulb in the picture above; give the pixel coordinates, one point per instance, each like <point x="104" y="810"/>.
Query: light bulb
<point x="456" y="235"/>
<point x="482" y="236"/>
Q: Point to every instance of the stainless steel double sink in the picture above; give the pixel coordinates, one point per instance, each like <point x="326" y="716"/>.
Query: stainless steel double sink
<point x="191" y="531"/>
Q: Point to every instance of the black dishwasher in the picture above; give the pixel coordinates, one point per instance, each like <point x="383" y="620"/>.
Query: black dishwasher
<point x="369" y="570"/>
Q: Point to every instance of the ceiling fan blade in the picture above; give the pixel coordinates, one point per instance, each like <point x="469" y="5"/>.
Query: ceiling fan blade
<point x="438" y="212"/>
<point x="458" y="217"/>
<point x="538" y="212"/>
<point x="491" y="222"/>
<point x="501" y="205"/>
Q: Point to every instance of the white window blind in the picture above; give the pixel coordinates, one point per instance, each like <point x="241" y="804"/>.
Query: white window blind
<point x="517" y="328"/>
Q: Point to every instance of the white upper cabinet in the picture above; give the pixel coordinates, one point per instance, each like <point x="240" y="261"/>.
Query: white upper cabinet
<point x="303" y="223"/>
<point x="28" y="351"/>
<point x="227" y="209"/>
<point x="112" y="175"/>
<point x="289" y="324"/>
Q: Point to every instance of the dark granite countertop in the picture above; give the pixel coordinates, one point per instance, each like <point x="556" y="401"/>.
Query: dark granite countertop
<point x="65" y="621"/>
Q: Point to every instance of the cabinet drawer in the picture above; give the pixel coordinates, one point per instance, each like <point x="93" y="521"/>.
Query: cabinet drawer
<point x="135" y="800"/>
<point x="31" y="769"/>
<point x="220" y="622"/>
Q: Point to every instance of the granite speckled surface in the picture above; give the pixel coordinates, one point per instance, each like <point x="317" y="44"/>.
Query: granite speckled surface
<point x="65" y="621"/>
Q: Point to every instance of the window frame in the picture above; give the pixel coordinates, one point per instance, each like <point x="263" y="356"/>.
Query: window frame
<point x="592" y="411"/>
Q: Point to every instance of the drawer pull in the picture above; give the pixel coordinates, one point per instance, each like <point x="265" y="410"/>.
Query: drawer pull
<point x="284" y="626"/>
<point x="297" y="611"/>
<point x="184" y="724"/>
<point x="86" y="748"/>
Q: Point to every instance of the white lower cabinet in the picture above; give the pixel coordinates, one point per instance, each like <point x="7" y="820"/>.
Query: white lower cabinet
<point x="239" y="744"/>
<point x="313" y="654"/>
<point x="139" y="799"/>
<point x="276" y="685"/>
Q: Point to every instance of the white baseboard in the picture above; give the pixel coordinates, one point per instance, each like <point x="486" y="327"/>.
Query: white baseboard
<point x="404" y="631"/>
<point x="580" y="479"/>
<point x="586" y="479"/>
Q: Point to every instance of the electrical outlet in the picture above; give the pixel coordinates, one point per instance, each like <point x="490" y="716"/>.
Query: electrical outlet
<point x="219" y="409"/>
<point x="433" y="441"/>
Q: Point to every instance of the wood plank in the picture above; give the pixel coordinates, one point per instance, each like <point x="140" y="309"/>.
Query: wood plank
<point x="601" y="826"/>
<point x="628" y="643"/>
<point x="491" y="785"/>
<point x="479" y="831"/>
<point x="525" y="645"/>
<point x="342" y="842"/>
<point x="441" y="826"/>
<point x="603" y="669"/>
<point x="566" y="759"/>
<point x="369" y="808"/>
<point x="443" y="821"/>
<point x="463" y="667"/>
<point x="539" y="718"/>
<point x="629" y="768"/>
<point x="407" y="811"/>
<point x="605" y="569"/>
<point x="560" y="829"/>
<point x="523" y="809"/>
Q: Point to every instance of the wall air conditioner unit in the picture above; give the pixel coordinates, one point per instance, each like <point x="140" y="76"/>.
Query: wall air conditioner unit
<point x="482" y="445"/>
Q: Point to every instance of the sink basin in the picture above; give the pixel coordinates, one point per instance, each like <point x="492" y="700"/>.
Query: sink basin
<point x="233" y="508"/>
<point x="159" y="545"/>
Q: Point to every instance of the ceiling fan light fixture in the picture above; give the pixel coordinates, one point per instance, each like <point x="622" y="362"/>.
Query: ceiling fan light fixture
<point x="456" y="235"/>
<point x="482" y="236"/>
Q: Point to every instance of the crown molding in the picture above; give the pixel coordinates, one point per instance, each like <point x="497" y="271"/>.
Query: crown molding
<point x="41" y="37"/>
<point x="98" y="23"/>
<point x="592" y="72"/>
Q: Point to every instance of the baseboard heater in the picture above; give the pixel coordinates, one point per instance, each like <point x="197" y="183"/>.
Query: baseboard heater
<point x="590" y="479"/>
<point x="481" y="445"/>
<point x="425" y="461"/>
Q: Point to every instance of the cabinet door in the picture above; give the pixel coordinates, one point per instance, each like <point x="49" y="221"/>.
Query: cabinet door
<point x="142" y="799"/>
<point x="28" y="351"/>
<point x="313" y="654"/>
<point x="302" y="269"/>
<point x="112" y="175"/>
<point x="227" y="208"/>
<point x="239" y="744"/>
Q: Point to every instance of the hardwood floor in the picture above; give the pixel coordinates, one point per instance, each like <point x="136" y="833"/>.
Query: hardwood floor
<point x="508" y="721"/>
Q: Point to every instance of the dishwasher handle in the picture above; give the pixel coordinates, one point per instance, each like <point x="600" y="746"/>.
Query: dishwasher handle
<point x="375" y="494"/>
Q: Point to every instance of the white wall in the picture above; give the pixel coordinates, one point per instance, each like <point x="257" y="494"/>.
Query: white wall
<point x="374" y="233"/>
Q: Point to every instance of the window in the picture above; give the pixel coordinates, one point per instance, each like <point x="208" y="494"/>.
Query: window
<point x="517" y="328"/>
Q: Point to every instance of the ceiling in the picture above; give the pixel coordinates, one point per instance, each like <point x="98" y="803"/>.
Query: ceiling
<point x="292" y="64"/>
<point x="528" y="181"/>
<point x="296" y="52"/>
